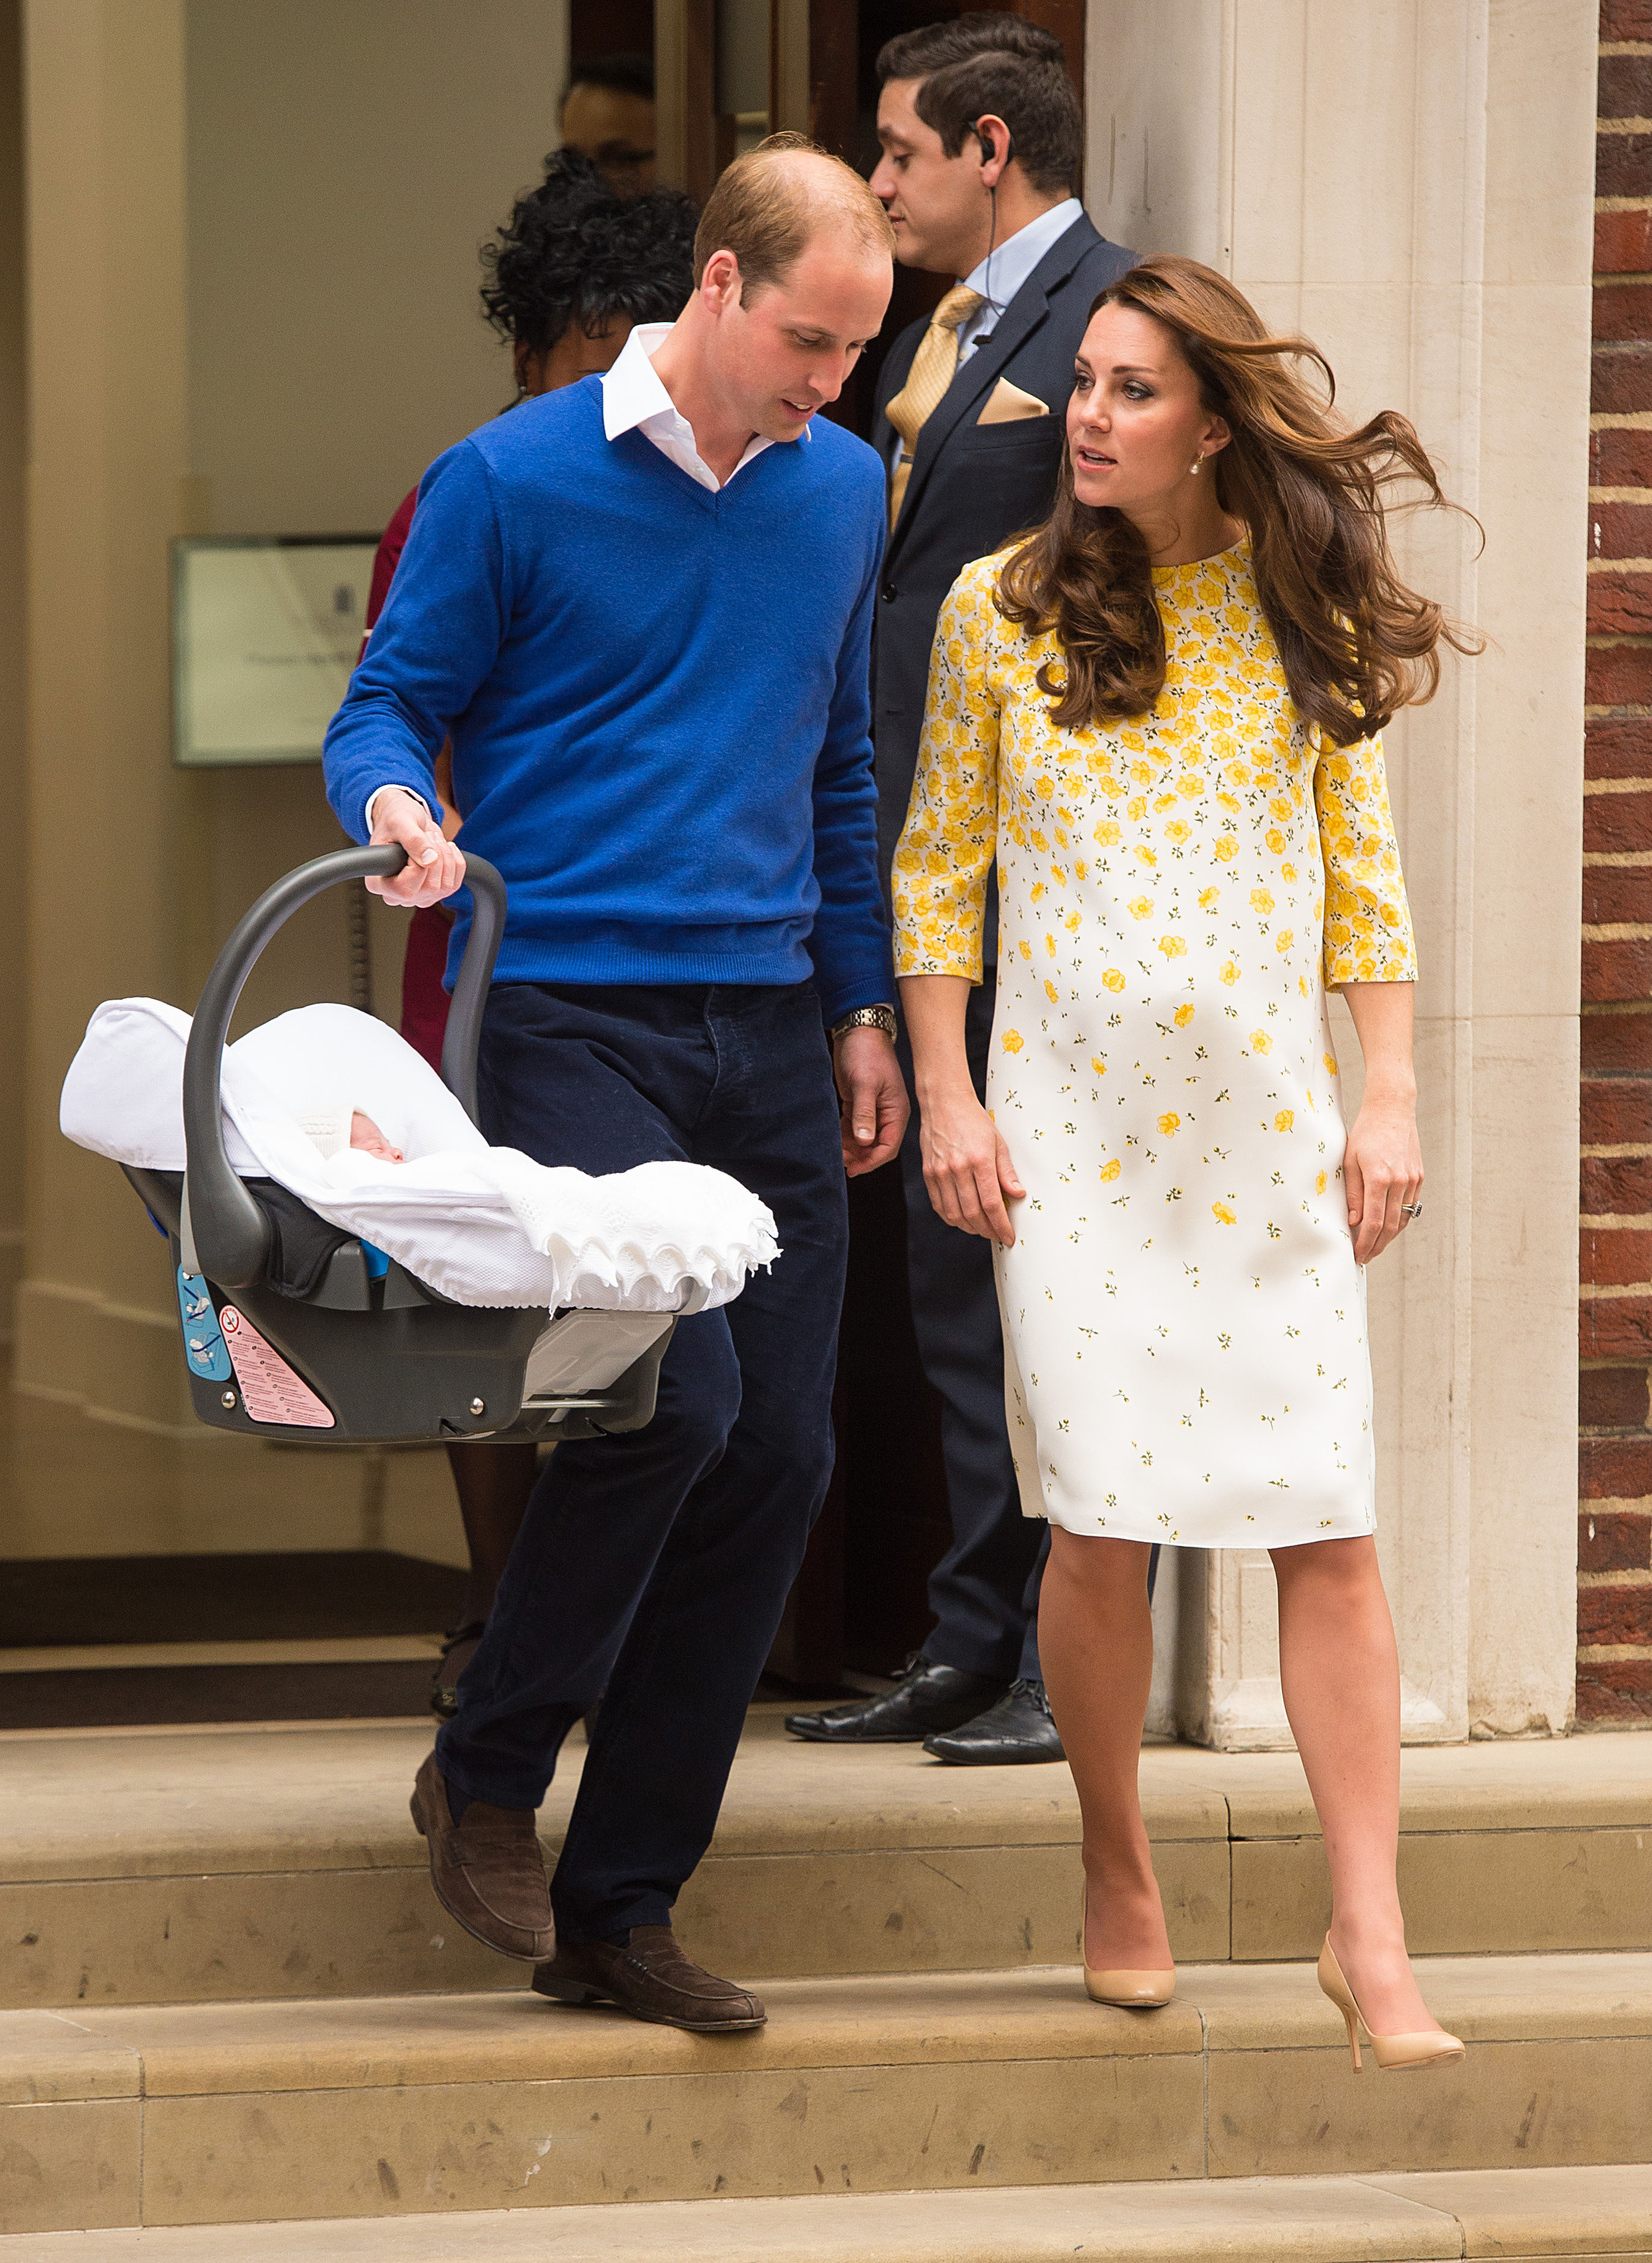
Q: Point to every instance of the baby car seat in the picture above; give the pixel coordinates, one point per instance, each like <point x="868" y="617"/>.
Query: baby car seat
<point x="296" y="1329"/>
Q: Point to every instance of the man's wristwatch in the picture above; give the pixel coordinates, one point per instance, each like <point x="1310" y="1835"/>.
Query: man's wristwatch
<point x="864" y="1017"/>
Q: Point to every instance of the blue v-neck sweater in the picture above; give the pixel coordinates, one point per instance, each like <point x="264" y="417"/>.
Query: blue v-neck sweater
<point x="657" y="699"/>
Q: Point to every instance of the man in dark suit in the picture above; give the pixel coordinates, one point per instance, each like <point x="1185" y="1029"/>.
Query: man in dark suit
<point x="981" y="133"/>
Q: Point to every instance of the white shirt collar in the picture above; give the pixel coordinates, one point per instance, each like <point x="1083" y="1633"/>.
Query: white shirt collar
<point x="1007" y="266"/>
<point x="634" y="400"/>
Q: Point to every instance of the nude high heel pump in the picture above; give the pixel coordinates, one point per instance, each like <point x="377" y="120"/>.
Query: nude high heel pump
<point x="1396" y="2051"/>
<point x="1131" y="1991"/>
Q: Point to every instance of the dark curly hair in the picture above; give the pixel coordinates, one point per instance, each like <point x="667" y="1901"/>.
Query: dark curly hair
<point x="571" y="248"/>
<point x="1314" y="495"/>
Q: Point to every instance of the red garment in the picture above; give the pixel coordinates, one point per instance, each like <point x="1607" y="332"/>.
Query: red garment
<point x="391" y="543"/>
<point x="424" y="1001"/>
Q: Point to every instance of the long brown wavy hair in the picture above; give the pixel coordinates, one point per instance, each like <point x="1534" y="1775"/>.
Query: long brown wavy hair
<point x="1354" y="642"/>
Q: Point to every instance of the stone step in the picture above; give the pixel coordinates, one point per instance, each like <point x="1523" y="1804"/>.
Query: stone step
<point x="224" y="2114"/>
<point x="185" y="1866"/>
<point x="1580" y="2214"/>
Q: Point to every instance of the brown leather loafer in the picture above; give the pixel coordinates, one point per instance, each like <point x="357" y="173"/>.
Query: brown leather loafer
<point x="488" y="1871"/>
<point x="652" y="1979"/>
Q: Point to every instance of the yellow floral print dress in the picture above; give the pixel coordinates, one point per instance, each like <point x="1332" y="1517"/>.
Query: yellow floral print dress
<point x="1184" y="1322"/>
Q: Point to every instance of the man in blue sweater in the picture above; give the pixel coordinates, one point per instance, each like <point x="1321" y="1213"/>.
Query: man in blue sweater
<point x="641" y="610"/>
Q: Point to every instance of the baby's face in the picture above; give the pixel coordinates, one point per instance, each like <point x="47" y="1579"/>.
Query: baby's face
<point x="365" y="1134"/>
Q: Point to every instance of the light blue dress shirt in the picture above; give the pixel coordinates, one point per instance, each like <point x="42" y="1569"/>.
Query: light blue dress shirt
<point x="1006" y="268"/>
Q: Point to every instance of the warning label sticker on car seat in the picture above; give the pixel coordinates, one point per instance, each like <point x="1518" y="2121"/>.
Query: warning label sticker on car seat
<point x="269" y="1389"/>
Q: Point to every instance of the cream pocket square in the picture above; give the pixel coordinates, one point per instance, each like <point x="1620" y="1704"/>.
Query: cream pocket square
<point x="1008" y="405"/>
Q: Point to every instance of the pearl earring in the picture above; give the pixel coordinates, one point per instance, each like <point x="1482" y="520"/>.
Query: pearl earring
<point x="1198" y="460"/>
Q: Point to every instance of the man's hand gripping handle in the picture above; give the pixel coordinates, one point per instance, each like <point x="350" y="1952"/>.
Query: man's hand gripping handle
<point x="434" y="868"/>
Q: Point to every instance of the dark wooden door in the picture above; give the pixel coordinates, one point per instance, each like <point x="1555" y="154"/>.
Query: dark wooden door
<point x="859" y="1601"/>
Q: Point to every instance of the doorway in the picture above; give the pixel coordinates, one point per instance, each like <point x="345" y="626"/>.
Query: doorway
<point x="860" y="1603"/>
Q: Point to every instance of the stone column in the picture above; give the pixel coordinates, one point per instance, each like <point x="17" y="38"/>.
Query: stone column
<point x="104" y="97"/>
<point x="1409" y="183"/>
<point x="12" y="445"/>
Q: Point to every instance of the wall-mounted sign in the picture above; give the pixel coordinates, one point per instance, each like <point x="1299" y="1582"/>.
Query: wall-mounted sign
<point x="265" y="630"/>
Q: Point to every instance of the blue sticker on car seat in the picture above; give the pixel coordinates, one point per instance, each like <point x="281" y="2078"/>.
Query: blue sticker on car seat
<point x="204" y="1345"/>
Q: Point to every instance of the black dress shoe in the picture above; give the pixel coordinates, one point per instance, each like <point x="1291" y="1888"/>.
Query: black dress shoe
<point x="1019" y="1728"/>
<point x="926" y="1698"/>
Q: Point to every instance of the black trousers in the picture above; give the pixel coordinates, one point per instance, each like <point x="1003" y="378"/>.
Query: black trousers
<point x="984" y="1592"/>
<point x="654" y="1567"/>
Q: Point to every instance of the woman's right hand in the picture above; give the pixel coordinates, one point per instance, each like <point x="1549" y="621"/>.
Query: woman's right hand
<point x="967" y="1164"/>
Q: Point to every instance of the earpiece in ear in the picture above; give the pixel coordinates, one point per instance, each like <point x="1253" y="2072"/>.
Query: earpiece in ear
<point x="988" y="150"/>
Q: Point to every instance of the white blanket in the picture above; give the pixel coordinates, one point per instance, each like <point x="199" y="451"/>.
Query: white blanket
<point x="484" y="1225"/>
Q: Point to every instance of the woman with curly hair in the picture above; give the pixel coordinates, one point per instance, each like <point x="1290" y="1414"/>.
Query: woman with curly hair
<point x="568" y="276"/>
<point x="1161" y="712"/>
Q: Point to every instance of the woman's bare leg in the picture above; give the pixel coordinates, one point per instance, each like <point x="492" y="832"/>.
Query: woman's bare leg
<point x="1341" y="1674"/>
<point x="1096" y="1642"/>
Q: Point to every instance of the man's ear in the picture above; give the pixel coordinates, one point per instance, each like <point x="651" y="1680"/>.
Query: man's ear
<point x="997" y="147"/>
<point x="720" y="284"/>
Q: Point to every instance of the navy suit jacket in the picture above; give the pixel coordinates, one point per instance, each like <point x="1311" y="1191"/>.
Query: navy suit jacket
<point x="973" y="486"/>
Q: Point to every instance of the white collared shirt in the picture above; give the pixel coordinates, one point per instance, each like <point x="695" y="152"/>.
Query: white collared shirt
<point x="1006" y="268"/>
<point x="634" y="400"/>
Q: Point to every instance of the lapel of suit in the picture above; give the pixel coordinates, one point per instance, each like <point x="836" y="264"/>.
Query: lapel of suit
<point x="1021" y="317"/>
<point x="897" y="367"/>
<point x="897" y="364"/>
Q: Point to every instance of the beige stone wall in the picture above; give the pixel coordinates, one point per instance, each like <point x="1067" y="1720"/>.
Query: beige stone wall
<point x="344" y="161"/>
<point x="250" y="253"/>
<point x="1410" y="183"/>
<point x="106" y="838"/>
<point x="11" y="770"/>
<point x="346" y="158"/>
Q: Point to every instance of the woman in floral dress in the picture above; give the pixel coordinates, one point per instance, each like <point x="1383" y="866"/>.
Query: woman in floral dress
<point x="1161" y="715"/>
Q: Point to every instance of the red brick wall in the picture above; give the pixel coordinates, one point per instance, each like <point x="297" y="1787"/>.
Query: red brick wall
<point x="1614" y="1596"/>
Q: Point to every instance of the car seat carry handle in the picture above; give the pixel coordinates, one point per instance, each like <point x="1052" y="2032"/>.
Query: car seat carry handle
<point x="463" y="1036"/>
<point x="225" y="1234"/>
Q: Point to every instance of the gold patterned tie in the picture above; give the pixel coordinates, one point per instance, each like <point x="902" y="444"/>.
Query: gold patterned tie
<point x="934" y="365"/>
